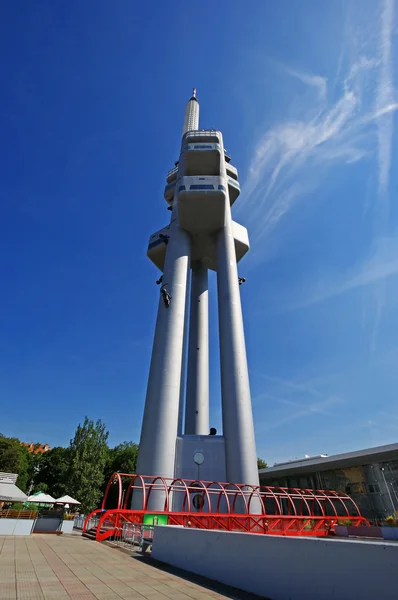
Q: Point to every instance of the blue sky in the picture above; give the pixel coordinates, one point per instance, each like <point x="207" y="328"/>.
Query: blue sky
<point x="91" y="112"/>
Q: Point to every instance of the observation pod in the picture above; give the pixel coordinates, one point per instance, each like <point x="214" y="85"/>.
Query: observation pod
<point x="203" y="247"/>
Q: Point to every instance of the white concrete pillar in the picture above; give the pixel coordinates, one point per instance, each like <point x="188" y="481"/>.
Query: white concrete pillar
<point x="197" y="405"/>
<point x="181" y="411"/>
<point x="237" y="416"/>
<point x="160" y="421"/>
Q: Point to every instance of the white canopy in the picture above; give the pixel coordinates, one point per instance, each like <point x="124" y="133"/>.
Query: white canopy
<point x="66" y="500"/>
<point x="41" y="498"/>
<point x="9" y="492"/>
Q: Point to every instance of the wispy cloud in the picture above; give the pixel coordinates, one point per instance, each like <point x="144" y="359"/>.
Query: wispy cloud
<point x="300" y="387"/>
<point x="294" y="155"/>
<point x="316" y="81"/>
<point x="382" y="264"/>
<point x="302" y="398"/>
<point x="299" y="411"/>
<point x="384" y="97"/>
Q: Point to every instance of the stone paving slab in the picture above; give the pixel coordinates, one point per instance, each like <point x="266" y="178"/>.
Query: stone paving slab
<point x="43" y="567"/>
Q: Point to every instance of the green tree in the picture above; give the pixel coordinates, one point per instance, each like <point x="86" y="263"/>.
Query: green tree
<point x="121" y="458"/>
<point x="42" y="487"/>
<point x="33" y="468"/>
<point x="261" y="464"/>
<point x="88" y="458"/>
<point x="10" y="454"/>
<point x="52" y="471"/>
<point x="14" y="458"/>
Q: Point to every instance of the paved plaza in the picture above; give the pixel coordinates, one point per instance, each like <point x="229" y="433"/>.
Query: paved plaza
<point x="72" y="567"/>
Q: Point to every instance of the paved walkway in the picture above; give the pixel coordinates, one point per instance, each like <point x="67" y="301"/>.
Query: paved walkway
<point x="49" y="567"/>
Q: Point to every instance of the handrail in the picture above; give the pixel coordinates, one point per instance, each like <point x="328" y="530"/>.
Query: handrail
<point x="11" y="513"/>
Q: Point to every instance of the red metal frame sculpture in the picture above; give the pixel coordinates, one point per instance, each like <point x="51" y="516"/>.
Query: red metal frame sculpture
<point x="225" y="506"/>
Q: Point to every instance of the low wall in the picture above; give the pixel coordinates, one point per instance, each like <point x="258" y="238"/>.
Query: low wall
<point x="67" y="526"/>
<point x="283" y="568"/>
<point x="16" y="526"/>
<point x="359" y="531"/>
<point x="390" y="533"/>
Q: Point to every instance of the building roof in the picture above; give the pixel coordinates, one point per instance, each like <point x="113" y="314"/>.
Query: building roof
<point x="36" y="448"/>
<point x="336" y="461"/>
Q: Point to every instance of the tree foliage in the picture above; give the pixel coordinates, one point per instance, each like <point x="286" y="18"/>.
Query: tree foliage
<point x="53" y="472"/>
<point x="14" y="458"/>
<point x="261" y="464"/>
<point x="88" y="457"/>
<point x="82" y="470"/>
<point x="123" y="459"/>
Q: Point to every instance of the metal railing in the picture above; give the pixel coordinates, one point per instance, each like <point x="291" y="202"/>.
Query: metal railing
<point x="18" y="514"/>
<point x="171" y="174"/>
<point x="79" y="522"/>
<point x="232" y="171"/>
<point x="234" y="183"/>
<point x="202" y="133"/>
<point x="137" y="538"/>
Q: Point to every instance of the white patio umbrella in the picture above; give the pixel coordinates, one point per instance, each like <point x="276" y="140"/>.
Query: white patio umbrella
<point x="41" y="498"/>
<point x="9" y="492"/>
<point x="66" y="500"/>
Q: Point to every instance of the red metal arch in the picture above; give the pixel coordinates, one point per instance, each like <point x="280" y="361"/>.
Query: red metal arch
<point x="302" y="499"/>
<point x="131" y="486"/>
<point x="187" y="497"/>
<point x="151" y="485"/>
<point x="256" y="491"/>
<point x="284" y="493"/>
<point x="316" y="499"/>
<point x="224" y="493"/>
<point x="274" y="496"/>
<point x="115" y="477"/>
<point x="295" y="511"/>
<point x="324" y="495"/>
<point x="205" y="492"/>
<point x="235" y="496"/>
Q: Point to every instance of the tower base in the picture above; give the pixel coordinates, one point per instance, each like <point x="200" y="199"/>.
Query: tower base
<point x="212" y="447"/>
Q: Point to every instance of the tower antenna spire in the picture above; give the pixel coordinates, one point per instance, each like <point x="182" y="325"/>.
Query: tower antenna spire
<point x="191" y="118"/>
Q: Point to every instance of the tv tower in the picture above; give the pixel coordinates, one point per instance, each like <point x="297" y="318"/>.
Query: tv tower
<point x="201" y="235"/>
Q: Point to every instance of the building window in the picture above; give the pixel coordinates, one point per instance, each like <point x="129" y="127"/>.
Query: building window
<point x="201" y="187"/>
<point x="354" y="488"/>
<point x="374" y="488"/>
